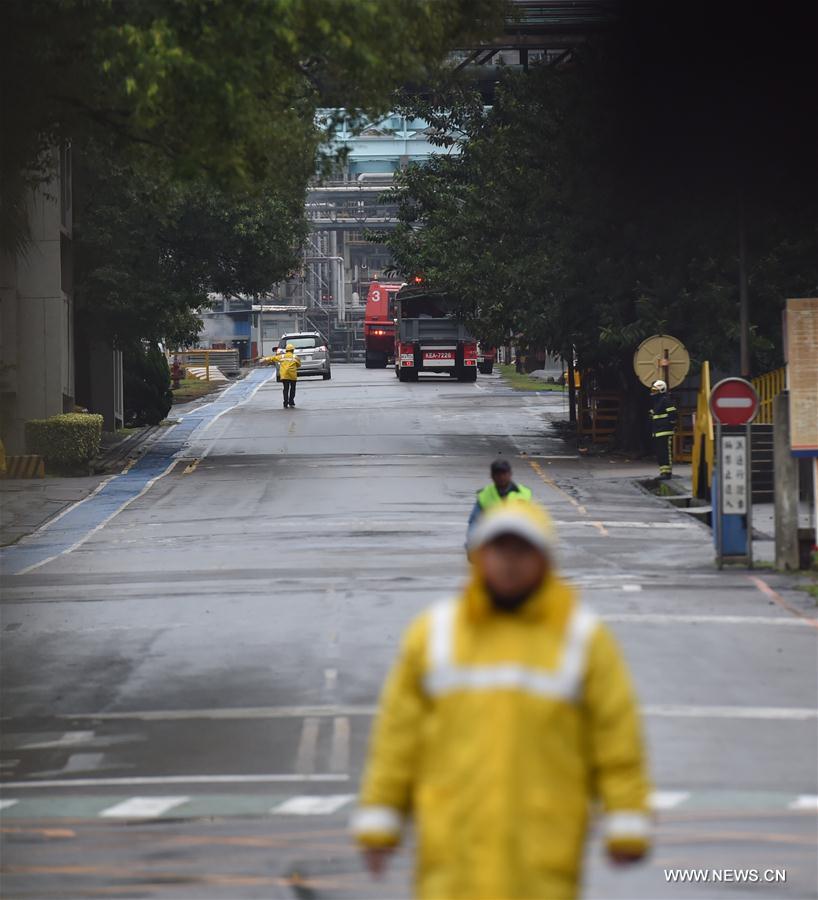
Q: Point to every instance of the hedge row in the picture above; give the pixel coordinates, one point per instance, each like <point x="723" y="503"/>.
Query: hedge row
<point x="65" y="441"/>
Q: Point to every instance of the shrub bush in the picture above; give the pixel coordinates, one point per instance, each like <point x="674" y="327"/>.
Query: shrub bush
<point x="148" y="397"/>
<point x="67" y="442"/>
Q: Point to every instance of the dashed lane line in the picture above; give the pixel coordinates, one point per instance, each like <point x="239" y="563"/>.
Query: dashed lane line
<point x="546" y="479"/>
<point x="78" y="806"/>
<point x="668" y="799"/>
<point x="142" y="807"/>
<point x="312" y="805"/>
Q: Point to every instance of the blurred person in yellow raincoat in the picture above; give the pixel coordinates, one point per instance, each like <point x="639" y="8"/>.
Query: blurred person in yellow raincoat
<point x="508" y="715"/>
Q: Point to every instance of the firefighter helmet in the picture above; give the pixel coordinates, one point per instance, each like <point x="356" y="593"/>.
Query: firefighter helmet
<point x="658" y="387"/>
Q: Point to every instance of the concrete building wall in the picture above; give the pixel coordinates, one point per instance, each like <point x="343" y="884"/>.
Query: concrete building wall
<point x="36" y="336"/>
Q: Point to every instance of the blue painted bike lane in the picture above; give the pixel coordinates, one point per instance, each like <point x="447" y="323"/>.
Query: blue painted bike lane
<point x="79" y="521"/>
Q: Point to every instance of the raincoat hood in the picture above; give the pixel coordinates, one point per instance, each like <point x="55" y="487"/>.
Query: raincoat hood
<point x="524" y="519"/>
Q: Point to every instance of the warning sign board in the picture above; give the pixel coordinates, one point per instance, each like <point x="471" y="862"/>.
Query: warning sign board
<point x="802" y="363"/>
<point x="734" y="474"/>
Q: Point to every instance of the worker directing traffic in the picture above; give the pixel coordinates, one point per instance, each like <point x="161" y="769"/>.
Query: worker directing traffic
<point x="502" y="487"/>
<point x="288" y="365"/>
<point x="509" y="711"/>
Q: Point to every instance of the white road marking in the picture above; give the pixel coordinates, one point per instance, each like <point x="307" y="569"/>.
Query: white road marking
<point x="5" y="804"/>
<point x="339" y="753"/>
<point x="297" y="712"/>
<point x="330" y="679"/>
<point x="804" y="801"/>
<point x="631" y="588"/>
<point x="69" y="739"/>
<point x="682" y="523"/>
<point x="667" y="799"/>
<point x="308" y="805"/>
<point x="681" y="619"/>
<point x="83" y="762"/>
<point x="730" y="712"/>
<point x="247" y="712"/>
<point x="142" y="807"/>
<point x="136" y="781"/>
<point x="218" y="416"/>
<point x="308" y="746"/>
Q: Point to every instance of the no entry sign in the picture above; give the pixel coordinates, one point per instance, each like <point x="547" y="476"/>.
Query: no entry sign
<point x="734" y="401"/>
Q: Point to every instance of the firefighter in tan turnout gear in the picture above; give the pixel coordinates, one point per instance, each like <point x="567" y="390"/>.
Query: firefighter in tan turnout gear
<point x="663" y="414"/>
<point x="509" y="713"/>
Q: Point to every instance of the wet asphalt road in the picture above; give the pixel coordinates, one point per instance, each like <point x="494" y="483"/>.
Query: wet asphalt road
<point x="187" y="693"/>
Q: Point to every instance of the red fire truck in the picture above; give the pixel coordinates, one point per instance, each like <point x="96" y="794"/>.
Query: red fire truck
<point x="429" y="338"/>
<point x="379" y="324"/>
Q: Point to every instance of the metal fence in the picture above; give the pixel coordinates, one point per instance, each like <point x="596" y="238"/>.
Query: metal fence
<point x="768" y="386"/>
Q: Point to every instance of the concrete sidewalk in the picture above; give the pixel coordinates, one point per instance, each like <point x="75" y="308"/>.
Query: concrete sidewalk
<point x="26" y="504"/>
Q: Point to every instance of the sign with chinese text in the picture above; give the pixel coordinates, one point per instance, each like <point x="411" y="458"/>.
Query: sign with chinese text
<point x="802" y="374"/>
<point x="734" y="474"/>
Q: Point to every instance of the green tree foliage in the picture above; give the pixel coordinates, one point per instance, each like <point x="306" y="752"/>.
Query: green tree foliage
<point x="148" y="397"/>
<point x="560" y="221"/>
<point x="149" y="248"/>
<point x="224" y="88"/>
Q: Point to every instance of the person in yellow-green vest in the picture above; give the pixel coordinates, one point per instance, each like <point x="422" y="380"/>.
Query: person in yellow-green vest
<point x="508" y="722"/>
<point x="502" y="488"/>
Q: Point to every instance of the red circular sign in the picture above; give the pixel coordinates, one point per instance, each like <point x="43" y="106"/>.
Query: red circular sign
<point x="734" y="401"/>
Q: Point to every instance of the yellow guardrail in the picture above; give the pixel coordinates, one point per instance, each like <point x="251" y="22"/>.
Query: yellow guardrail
<point x="768" y="386"/>
<point x="703" y="443"/>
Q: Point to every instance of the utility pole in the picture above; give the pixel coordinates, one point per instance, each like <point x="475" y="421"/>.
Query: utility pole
<point x="744" y="301"/>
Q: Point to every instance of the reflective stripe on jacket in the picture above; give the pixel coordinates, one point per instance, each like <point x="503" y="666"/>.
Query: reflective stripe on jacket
<point x="497" y="731"/>
<point x="663" y="416"/>
<point x="490" y="496"/>
<point x="288" y="366"/>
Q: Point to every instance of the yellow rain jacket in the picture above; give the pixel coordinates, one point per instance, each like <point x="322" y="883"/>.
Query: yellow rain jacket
<point x="288" y="365"/>
<point x="497" y="732"/>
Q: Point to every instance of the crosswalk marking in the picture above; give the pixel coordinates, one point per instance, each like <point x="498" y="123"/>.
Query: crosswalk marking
<point x="308" y="746"/>
<point x="668" y="799"/>
<point x="69" y="739"/>
<point x="805" y="801"/>
<point x="142" y="807"/>
<point x="308" y="805"/>
<point x="339" y="753"/>
<point x="255" y="802"/>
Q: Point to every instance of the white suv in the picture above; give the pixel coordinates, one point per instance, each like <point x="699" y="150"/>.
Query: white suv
<point x="312" y="350"/>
